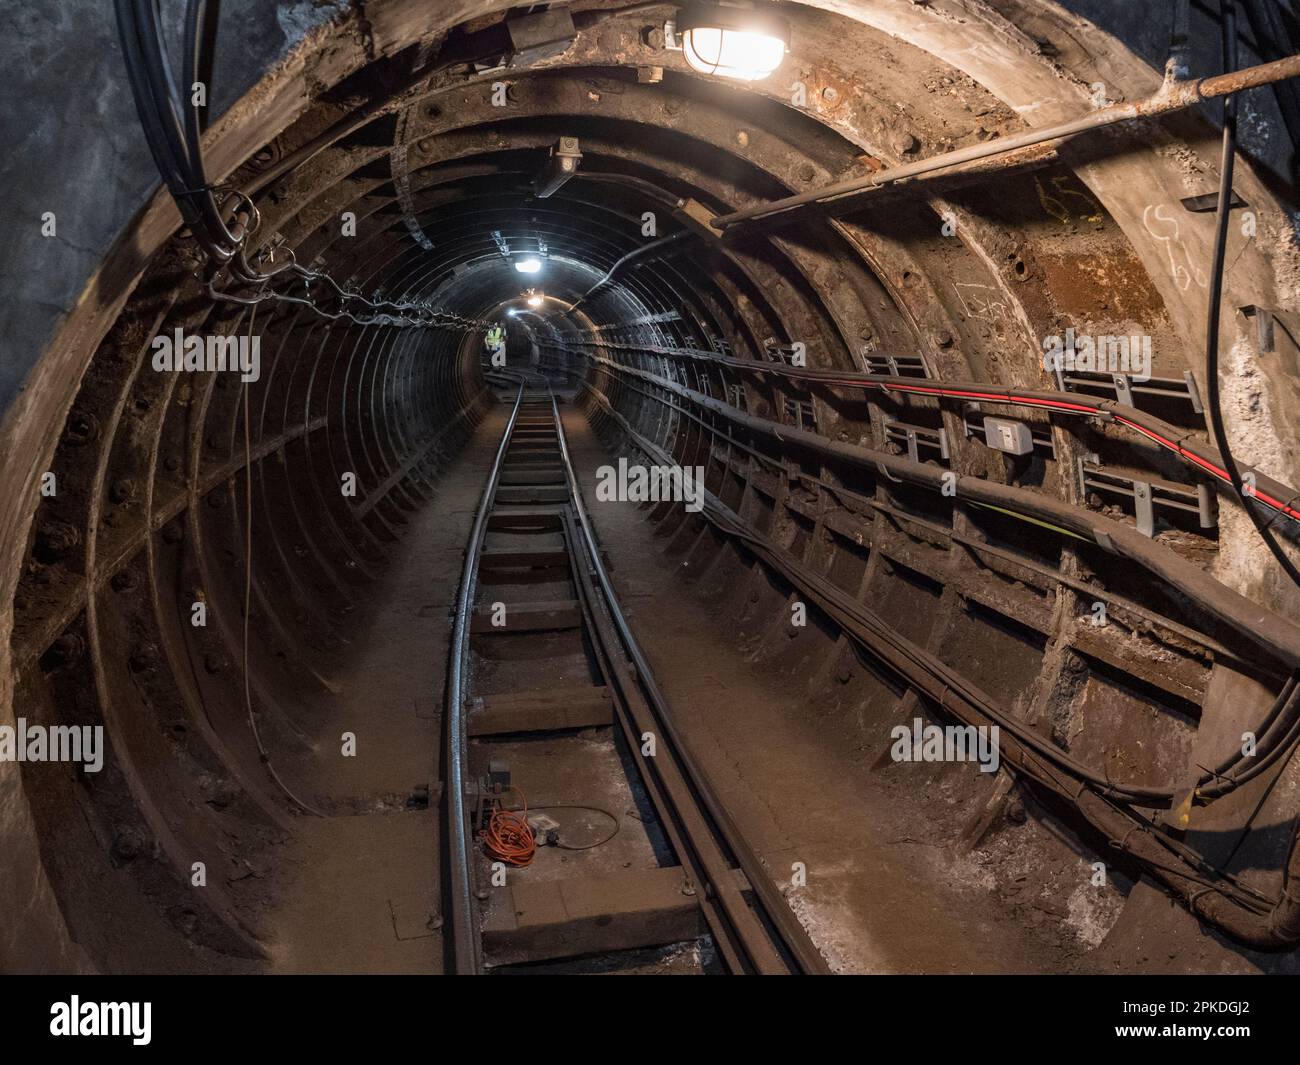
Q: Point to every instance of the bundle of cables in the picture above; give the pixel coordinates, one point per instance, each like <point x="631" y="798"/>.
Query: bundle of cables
<point x="221" y="227"/>
<point x="509" y="837"/>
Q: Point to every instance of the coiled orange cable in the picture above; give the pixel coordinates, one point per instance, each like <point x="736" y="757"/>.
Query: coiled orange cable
<point x="509" y="837"/>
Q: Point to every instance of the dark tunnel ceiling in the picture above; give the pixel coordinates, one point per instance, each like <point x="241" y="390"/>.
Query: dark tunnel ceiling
<point x="475" y="182"/>
<point x="646" y="148"/>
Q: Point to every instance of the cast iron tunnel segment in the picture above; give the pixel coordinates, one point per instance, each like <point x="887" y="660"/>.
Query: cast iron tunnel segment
<point x="534" y="586"/>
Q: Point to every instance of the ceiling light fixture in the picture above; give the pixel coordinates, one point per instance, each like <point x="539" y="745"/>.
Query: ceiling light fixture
<point x="528" y="265"/>
<point x="745" y="43"/>
<point x="561" y="165"/>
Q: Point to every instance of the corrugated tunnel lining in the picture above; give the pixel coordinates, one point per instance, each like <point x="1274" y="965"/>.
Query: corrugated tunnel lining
<point x="150" y="468"/>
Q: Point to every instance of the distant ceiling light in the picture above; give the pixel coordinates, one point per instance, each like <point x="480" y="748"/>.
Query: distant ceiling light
<point x="534" y="301"/>
<point x="733" y="42"/>
<point x="530" y="265"/>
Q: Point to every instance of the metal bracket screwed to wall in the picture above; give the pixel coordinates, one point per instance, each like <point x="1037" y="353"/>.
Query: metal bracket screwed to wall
<point x="1147" y="495"/>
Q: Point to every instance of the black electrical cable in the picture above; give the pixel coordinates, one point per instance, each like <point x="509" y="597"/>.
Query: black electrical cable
<point x="222" y="243"/>
<point x="1278" y="733"/>
<point x="1228" y="26"/>
<point x="167" y="164"/>
<point x="1054" y="773"/>
<point x="158" y="109"/>
<point x="162" y="90"/>
<point x="200" y="33"/>
<point x="173" y="131"/>
<point x="194" y="55"/>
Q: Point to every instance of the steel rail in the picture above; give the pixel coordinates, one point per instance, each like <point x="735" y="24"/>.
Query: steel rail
<point x="1172" y="96"/>
<point x="741" y="941"/>
<point x="1242" y="912"/>
<point x="464" y="915"/>
<point x="793" y="937"/>
<point x="760" y="937"/>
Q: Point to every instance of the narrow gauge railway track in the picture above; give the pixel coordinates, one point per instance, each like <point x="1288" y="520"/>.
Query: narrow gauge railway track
<point x="550" y="697"/>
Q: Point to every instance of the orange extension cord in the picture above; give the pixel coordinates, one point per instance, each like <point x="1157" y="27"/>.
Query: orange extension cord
<point x="508" y="837"/>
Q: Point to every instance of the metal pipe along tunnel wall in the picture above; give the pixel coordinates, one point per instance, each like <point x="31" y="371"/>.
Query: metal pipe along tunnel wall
<point x="828" y="369"/>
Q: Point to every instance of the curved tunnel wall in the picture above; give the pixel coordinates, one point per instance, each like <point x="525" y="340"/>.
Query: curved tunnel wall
<point x="148" y="516"/>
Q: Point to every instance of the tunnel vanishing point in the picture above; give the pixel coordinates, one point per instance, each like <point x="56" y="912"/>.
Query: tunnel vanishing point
<point x="650" y="487"/>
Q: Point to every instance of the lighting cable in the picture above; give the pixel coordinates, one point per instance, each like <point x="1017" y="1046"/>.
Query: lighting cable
<point x="1285" y="505"/>
<point x="618" y="825"/>
<point x="222" y="229"/>
<point x="262" y="752"/>
<point x="1278" y="734"/>
<point x="1228" y="26"/>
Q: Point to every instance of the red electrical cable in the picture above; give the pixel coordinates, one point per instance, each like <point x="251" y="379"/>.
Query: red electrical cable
<point x="1013" y="399"/>
<point x="1073" y="408"/>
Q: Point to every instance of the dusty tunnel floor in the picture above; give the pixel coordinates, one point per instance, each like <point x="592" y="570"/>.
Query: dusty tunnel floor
<point x="893" y="885"/>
